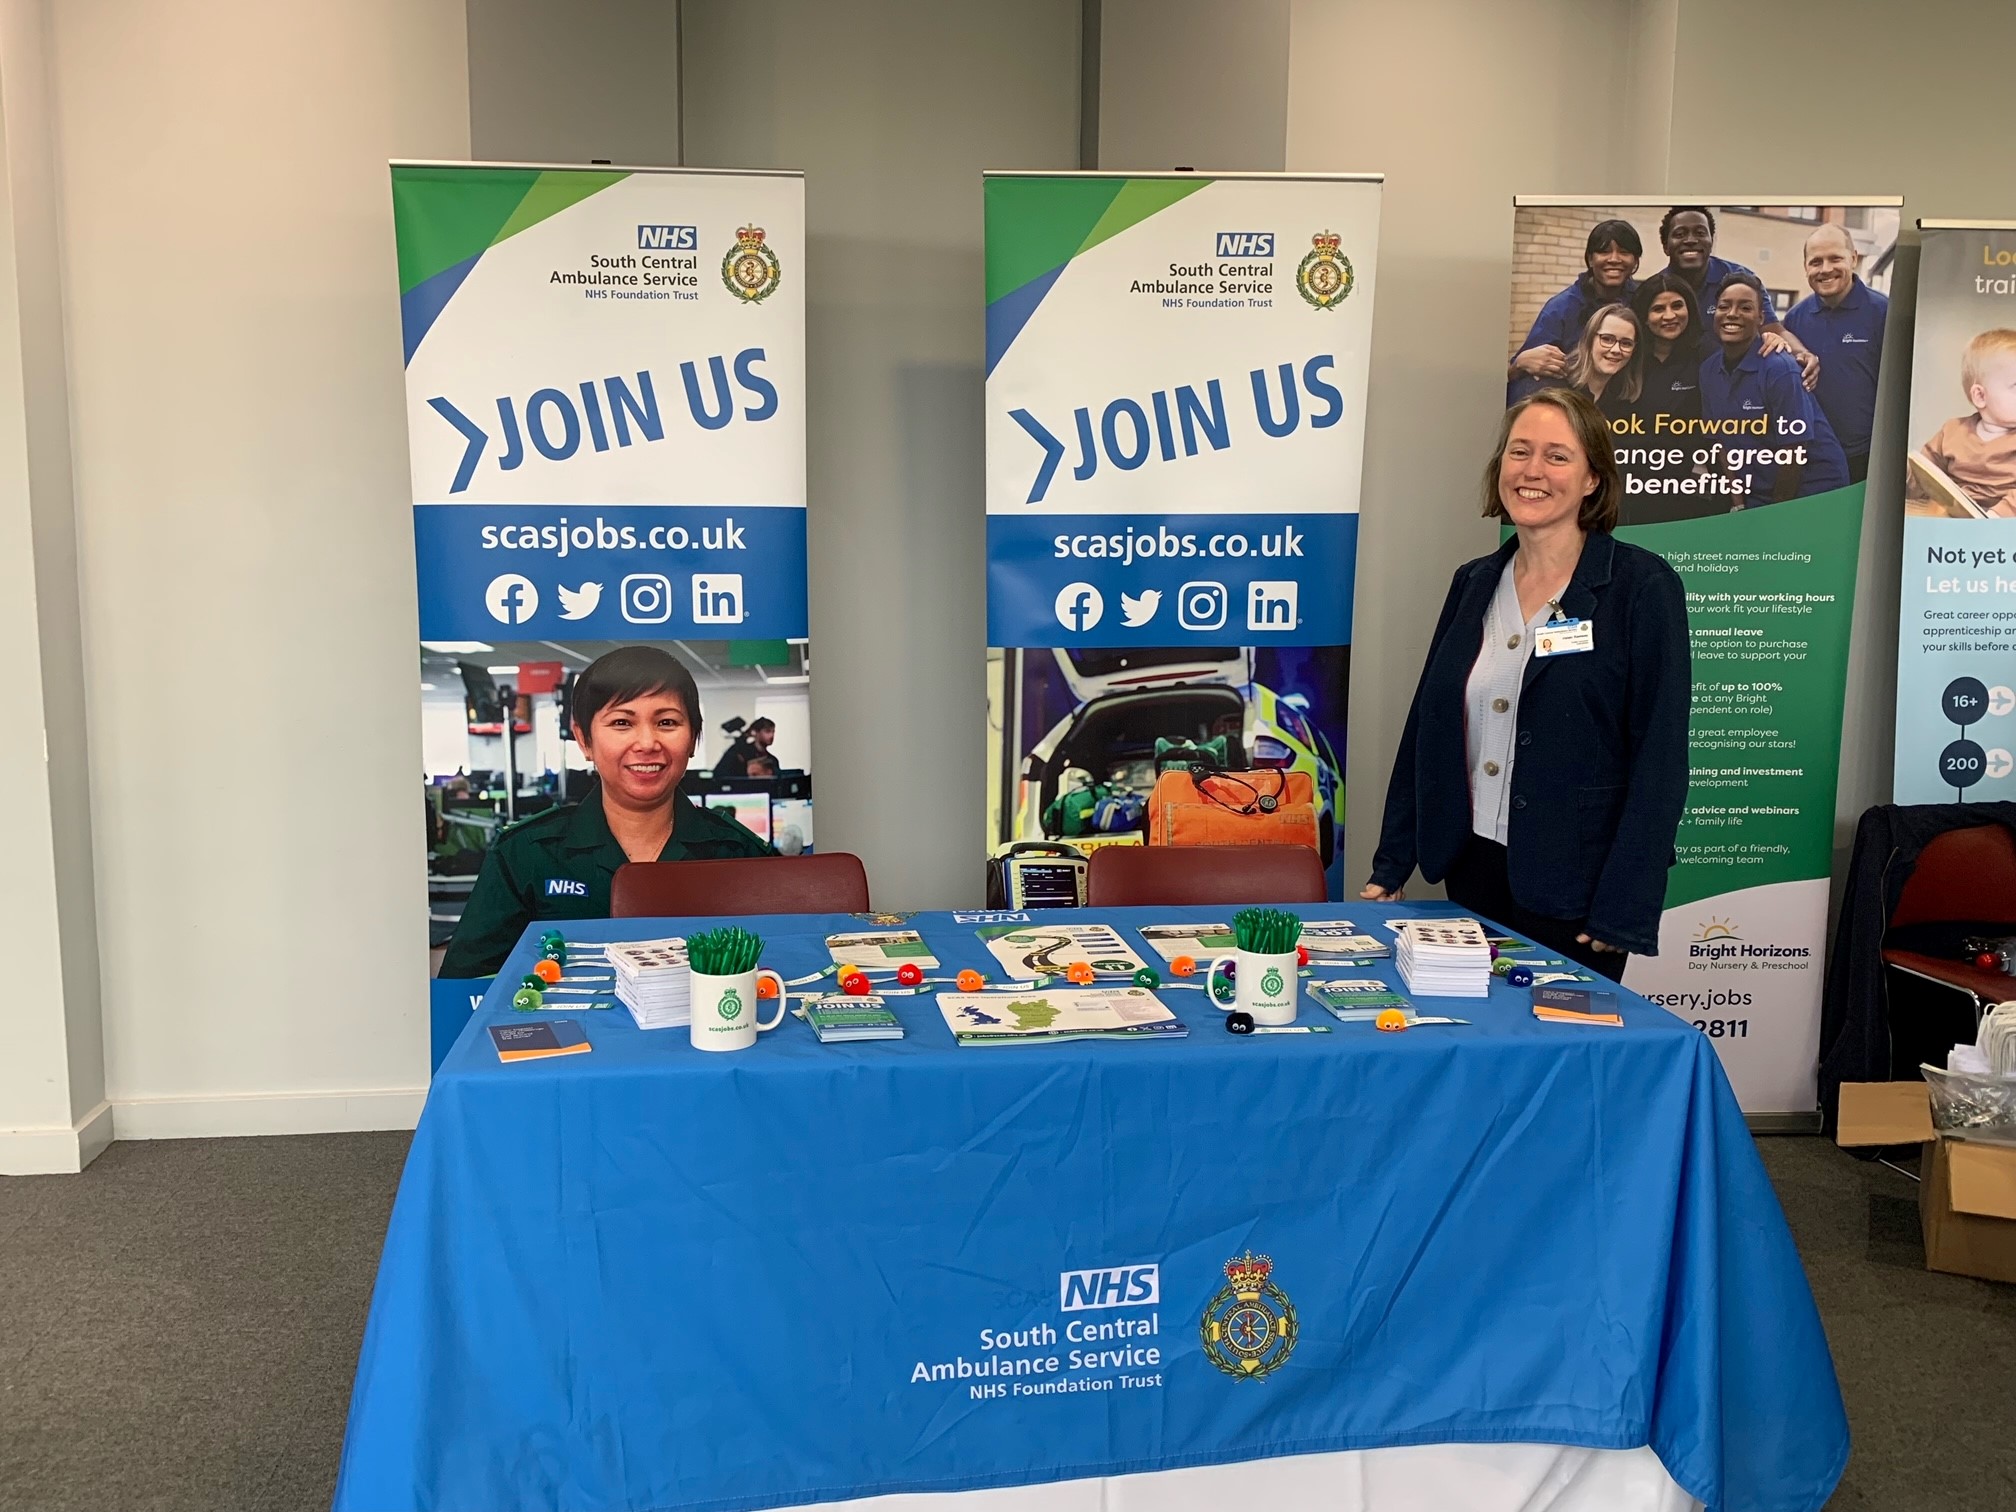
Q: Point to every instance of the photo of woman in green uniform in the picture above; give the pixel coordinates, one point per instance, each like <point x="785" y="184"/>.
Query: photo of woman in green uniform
<point x="636" y="717"/>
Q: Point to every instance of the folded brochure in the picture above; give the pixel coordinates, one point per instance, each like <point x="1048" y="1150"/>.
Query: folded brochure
<point x="1046" y="1015"/>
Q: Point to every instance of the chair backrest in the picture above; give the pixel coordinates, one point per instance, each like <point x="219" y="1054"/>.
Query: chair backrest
<point x="1964" y="875"/>
<point x="1120" y="876"/>
<point x="825" y="882"/>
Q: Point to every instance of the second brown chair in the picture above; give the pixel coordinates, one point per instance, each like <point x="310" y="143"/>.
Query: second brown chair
<point x="828" y="882"/>
<point x="1121" y="876"/>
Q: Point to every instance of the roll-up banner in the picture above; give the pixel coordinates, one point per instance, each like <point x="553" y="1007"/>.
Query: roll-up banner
<point x="605" y="407"/>
<point x="1956" y="655"/>
<point x="1176" y="370"/>
<point x="1734" y="348"/>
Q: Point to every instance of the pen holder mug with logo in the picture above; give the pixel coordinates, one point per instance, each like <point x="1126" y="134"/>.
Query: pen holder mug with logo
<point x="1264" y="985"/>
<point x="724" y="1009"/>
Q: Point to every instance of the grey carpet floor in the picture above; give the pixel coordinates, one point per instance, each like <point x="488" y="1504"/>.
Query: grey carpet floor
<point x="179" y="1324"/>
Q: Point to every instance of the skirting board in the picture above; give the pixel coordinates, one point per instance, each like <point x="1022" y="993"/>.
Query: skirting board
<point x="274" y="1113"/>
<point x="56" y="1152"/>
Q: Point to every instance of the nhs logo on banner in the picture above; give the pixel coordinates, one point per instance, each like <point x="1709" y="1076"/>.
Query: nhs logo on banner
<point x="1245" y="244"/>
<point x="1118" y="1286"/>
<point x="668" y="238"/>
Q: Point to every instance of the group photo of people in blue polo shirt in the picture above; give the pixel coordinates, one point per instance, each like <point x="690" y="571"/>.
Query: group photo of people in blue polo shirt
<point x="1733" y="349"/>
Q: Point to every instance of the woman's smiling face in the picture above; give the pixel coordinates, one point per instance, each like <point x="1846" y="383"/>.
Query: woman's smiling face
<point x="1544" y="474"/>
<point x="1616" y="339"/>
<point x="1667" y="315"/>
<point x="640" y="747"/>
<point x="1738" y="316"/>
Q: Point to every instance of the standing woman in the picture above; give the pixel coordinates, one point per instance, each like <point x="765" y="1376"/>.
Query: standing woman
<point x="636" y="716"/>
<point x="1543" y="768"/>
<point x="1608" y="361"/>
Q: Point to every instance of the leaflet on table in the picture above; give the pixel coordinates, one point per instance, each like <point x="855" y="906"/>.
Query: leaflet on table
<point x="1575" y="1005"/>
<point x="838" y="1019"/>
<point x="1048" y="1015"/>
<point x="1195" y="940"/>
<point x="516" y="1042"/>
<point x="1037" y="950"/>
<point x="881" y="949"/>
<point x="1358" y="997"/>
<point x="1335" y="938"/>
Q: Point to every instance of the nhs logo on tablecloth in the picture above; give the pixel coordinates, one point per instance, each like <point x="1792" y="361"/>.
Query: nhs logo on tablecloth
<point x="1117" y="1286"/>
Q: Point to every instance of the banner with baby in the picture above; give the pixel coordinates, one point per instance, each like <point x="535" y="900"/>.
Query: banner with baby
<point x="1735" y="350"/>
<point x="1956" y="652"/>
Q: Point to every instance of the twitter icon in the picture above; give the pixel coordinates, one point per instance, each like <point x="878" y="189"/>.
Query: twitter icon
<point x="1133" y="611"/>
<point x="579" y="603"/>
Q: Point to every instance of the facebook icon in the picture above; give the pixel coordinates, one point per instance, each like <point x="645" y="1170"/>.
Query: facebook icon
<point x="1080" y="606"/>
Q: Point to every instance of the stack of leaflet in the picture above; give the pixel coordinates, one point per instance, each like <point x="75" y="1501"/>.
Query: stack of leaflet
<point x="840" y="1020"/>
<point x="653" y="981"/>
<point x="1444" y="957"/>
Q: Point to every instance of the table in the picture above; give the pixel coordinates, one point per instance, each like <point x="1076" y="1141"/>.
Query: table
<point x="650" y="1278"/>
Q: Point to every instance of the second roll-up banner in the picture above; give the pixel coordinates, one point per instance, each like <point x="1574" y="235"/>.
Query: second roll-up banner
<point x="1734" y="348"/>
<point x="1176" y="371"/>
<point x="1956" y="646"/>
<point x="605" y="407"/>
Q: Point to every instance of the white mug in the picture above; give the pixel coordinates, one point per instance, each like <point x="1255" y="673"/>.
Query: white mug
<point x="1265" y="985"/>
<point x="724" y="1009"/>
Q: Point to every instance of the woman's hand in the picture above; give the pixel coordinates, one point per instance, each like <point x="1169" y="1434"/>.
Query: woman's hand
<point x="1372" y="892"/>
<point x="1595" y="944"/>
<point x="1541" y="362"/>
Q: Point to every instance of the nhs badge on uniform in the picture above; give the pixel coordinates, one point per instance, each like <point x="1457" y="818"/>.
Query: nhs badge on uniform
<point x="1116" y="1286"/>
<point x="668" y="238"/>
<point x="565" y="887"/>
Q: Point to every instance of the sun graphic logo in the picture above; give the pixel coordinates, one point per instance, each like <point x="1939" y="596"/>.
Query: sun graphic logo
<point x="1713" y="928"/>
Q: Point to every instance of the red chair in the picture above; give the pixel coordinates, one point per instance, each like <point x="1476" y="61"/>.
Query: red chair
<point x="827" y="882"/>
<point x="1122" y="876"/>
<point x="1965" y="876"/>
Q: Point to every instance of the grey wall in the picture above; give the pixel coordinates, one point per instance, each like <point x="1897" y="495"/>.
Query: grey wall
<point x="893" y="108"/>
<point x="1193" y="84"/>
<point x="1452" y="166"/>
<point x="574" y="82"/>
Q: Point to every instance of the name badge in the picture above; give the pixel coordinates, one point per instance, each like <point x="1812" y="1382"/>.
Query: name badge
<point x="1564" y="637"/>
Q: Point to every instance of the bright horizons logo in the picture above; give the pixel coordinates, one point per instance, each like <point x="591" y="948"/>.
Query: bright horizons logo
<point x="1715" y="942"/>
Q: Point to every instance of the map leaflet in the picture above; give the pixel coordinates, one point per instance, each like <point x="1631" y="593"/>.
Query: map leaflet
<point x="1043" y="1016"/>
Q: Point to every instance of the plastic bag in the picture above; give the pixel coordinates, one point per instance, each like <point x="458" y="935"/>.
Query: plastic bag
<point x="1980" y="1104"/>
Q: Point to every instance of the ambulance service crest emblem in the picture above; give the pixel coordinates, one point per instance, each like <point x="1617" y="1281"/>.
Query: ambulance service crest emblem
<point x="1249" y="1327"/>
<point x="751" y="270"/>
<point x="1324" y="275"/>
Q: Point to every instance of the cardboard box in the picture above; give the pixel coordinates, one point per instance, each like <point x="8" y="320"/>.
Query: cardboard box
<point x="1966" y="1190"/>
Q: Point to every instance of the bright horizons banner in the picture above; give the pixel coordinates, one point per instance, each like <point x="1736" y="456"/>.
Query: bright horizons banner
<point x="1735" y="350"/>
<point x="1176" y="372"/>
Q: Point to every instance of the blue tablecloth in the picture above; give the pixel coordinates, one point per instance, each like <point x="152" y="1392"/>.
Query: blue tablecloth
<point x="652" y="1278"/>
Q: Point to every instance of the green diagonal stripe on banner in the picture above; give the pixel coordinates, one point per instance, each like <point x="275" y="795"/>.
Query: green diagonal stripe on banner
<point x="1138" y="199"/>
<point x="1036" y="224"/>
<point x="448" y="215"/>
<point x="553" y="193"/>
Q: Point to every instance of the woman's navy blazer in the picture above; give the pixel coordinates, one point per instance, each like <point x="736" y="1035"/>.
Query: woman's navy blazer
<point x="1599" y="771"/>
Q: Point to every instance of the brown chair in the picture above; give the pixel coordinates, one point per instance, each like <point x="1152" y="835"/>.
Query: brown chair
<point x="1121" y="876"/>
<point x="1965" y="876"/>
<point x="826" y="882"/>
